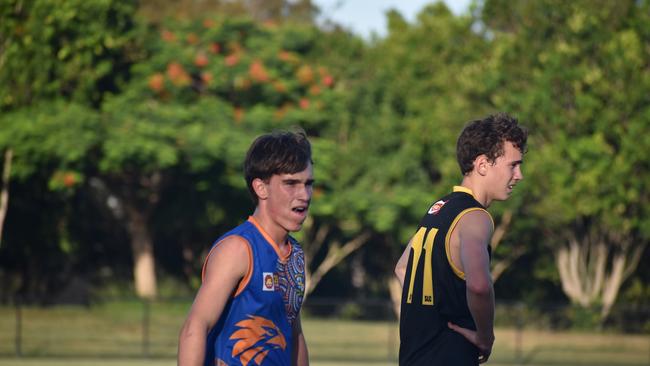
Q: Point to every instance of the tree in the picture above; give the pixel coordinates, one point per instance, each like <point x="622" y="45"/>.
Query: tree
<point x="397" y="133"/>
<point x="578" y="72"/>
<point x="60" y="58"/>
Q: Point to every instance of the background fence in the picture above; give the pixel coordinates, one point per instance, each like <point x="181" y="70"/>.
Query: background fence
<point x="337" y="331"/>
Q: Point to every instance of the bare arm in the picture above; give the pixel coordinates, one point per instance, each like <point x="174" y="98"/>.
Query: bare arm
<point x="474" y="233"/>
<point x="400" y="267"/>
<point x="226" y="266"/>
<point x="300" y="355"/>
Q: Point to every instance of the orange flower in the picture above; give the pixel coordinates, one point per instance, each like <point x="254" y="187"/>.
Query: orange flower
<point x="168" y="36"/>
<point x="328" y="80"/>
<point x="258" y="73"/>
<point x="208" y="23"/>
<point x="232" y="59"/>
<point x="279" y="87"/>
<point x="287" y="56"/>
<point x="201" y="60"/>
<point x="192" y="38"/>
<point x="215" y="48"/>
<point x="177" y="74"/>
<point x="206" y="77"/>
<point x="69" y="179"/>
<point x="318" y="192"/>
<point x="238" y="114"/>
<point x="305" y="74"/>
<point x="270" y="24"/>
<point x="242" y="83"/>
<point x="304" y="103"/>
<point x="314" y="90"/>
<point x="157" y="82"/>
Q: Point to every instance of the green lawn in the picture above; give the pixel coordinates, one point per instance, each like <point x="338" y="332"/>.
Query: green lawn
<point x="112" y="335"/>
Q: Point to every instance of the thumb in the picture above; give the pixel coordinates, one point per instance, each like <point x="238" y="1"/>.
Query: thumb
<point x="467" y="333"/>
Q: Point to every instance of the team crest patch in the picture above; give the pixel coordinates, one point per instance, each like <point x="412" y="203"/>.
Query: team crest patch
<point x="436" y="207"/>
<point x="268" y="284"/>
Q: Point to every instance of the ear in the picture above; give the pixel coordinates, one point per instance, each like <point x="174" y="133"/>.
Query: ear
<point x="259" y="186"/>
<point x="481" y="164"/>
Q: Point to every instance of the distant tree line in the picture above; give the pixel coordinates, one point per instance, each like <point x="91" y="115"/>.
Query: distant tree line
<point x="123" y="132"/>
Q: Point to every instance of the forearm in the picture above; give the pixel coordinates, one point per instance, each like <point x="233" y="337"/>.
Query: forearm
<point x="301" y="355"/>
<point x="481" y="306"/>
<point x="191" y="345"/>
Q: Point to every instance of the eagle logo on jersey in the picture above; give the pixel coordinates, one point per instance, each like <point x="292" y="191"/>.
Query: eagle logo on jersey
<point x="436" y="207"/>
<point x="255" y="339"/>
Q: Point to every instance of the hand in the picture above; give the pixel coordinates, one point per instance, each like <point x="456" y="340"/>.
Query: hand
<point x="484" y="345"/>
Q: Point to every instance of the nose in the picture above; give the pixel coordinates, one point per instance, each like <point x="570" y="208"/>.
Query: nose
<point x="518" y="174"/>
<point x="305" y="192"/>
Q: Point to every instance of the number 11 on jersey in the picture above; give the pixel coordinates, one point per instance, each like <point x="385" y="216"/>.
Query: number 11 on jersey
<point x="418" y="244"/>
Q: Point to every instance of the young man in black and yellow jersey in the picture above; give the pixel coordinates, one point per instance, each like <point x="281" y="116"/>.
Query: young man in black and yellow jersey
<point x="447" y="310"/>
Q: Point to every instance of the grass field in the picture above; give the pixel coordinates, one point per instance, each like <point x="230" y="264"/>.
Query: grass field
<point x="112" y="335"/>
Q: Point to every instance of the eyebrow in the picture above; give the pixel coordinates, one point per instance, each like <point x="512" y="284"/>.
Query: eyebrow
<point x="294" y="181"/>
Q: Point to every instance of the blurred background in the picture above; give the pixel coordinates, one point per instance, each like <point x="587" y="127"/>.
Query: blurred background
<point x="124" y="125"/>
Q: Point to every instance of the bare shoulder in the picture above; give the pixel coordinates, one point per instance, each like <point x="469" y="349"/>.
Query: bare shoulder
<point x="476" y="222"/>
<point x="230" y="255"/>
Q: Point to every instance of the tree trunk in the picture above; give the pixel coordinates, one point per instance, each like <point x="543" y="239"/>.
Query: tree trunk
<point x="501" y="265"/>
<point x="622" y="267"/>
<point x="4" y="194"/>
<point x="593" y="267"/>
<point x="144" y="265"/>
<point x="335" y="254"/>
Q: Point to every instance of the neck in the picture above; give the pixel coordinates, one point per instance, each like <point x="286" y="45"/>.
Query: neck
<point x="277" y="233"/>
<point x="480" y="193"/>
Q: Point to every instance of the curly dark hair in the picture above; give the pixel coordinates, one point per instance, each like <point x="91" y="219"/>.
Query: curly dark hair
<point x="486" y="136"/>
<point x="279" y="152"/>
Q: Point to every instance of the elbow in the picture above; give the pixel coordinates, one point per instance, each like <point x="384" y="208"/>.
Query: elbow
<point x="192" y="328"/>
<point x="399" y="271"/>
<point x="480" y="287"/>
<point x="186" y="331"/>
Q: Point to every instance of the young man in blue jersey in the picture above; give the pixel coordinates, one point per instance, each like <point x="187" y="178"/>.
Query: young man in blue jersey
<point x="447" y="310"/>
<point x="247" y="311"/>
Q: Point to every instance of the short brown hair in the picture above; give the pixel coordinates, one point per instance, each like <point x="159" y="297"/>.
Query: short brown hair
<point x="279" y="152"/>
<point x="486" y="136"/>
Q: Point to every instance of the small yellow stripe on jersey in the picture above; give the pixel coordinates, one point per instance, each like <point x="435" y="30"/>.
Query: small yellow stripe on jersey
<point x="416" y="247"/>
<point x="463" y="189"/>
<point x="427" y="287"/>
<point x="456" y="270"/>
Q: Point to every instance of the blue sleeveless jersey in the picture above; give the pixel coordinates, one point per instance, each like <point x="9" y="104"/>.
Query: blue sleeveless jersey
<point x="255" y="327"/>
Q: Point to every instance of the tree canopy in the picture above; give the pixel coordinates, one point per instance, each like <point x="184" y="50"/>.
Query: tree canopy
<point x="125" y="134"/>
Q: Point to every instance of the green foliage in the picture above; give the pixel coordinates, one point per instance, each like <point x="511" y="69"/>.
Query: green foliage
<point x="76" y="50"/>
<point x="49" y="134"/>
<point x="580" y="82"/>
<point x="89" y="93"/>
<point x="406" y="113"/>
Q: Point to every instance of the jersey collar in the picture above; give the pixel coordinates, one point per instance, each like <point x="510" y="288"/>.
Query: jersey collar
<point x="464" y="189"/>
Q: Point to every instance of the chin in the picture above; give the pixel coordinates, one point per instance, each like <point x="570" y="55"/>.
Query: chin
<point x="294" y="227"/>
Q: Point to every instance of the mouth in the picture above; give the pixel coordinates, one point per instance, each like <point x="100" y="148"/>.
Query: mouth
<point x="301" y="210"/>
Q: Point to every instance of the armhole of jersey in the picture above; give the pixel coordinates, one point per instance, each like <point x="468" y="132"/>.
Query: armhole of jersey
<point x="456" y="270"/>
<point x="244" y="281"/>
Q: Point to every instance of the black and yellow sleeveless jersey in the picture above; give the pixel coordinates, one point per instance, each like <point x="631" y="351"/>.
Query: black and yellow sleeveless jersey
<point x="434" y="290"/>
